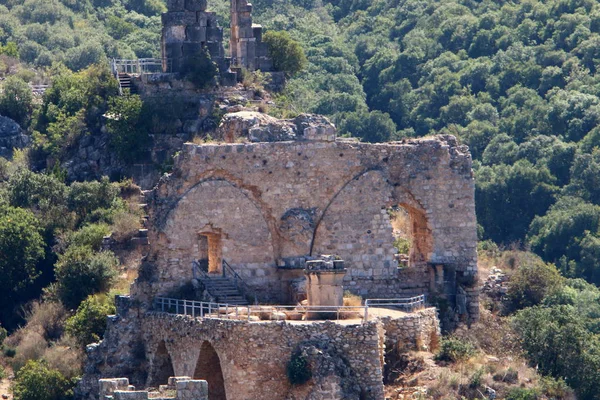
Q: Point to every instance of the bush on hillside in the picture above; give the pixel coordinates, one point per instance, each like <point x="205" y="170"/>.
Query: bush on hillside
<point x="286" y="53"/>
<point x="35" y="381"/>
<point x="455" y="350"/>
<point x="89" y="322"/>
<point x="81" y="272"/>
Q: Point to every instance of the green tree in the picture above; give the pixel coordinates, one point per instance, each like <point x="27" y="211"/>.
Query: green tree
<point x="36" y="381"/>
<point x="371" y="127"/>
<point x="81" y="272"/>
<point x="16" y="100"/>
<point x="88" y="324"/>
<point x="21" y="248"/>
<point x="286" y="53"/>
<point x="128" y="126"/>
<point x="531" y="283"/>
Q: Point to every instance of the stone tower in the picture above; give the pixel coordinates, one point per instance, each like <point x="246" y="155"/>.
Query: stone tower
<point x="247" y="48"/>
<point x="187" y="28"/>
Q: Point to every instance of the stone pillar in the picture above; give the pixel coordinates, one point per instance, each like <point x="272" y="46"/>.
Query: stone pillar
<point x="324" y="286"/>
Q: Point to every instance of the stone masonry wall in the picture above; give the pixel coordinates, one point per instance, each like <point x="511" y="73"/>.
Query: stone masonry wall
<point x="275" y="202"/>
<point x="346" y="360"/>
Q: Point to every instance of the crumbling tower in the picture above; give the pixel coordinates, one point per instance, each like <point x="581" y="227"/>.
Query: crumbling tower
<point x="247" y="48"/>
<point x="187" y="29"/>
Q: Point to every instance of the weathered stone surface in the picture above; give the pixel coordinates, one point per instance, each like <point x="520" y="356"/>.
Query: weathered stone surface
<point x="11" y="137"/>
<point x="258" y="127"/>
<point x="250" y="192"/>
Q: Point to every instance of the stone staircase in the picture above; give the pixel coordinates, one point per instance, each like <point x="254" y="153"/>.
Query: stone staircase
<point x="125" y="83"/>
<point x="223" y="290"/>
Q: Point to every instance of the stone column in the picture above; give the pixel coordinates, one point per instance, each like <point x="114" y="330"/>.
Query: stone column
<point x="324" y="286"/>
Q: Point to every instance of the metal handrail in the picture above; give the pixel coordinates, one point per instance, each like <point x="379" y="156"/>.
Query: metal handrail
<point x="200" y="309"/>
<point x="409" y="304"/>
<point x="142" y="66"/>
<point x="239" y="283"/>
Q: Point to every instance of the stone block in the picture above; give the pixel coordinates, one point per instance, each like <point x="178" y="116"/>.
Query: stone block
<point x="191" y="49"/>
<point x="214" y="34"/>
<point x="130" y="395"/>
<point x="195" y="33"/>
<point x="195" y="5"/>
<point x="175" y="5"/>
<point x="174" y="34"/>
<point x="173" y="50"/>
<point x="178" y="18"/>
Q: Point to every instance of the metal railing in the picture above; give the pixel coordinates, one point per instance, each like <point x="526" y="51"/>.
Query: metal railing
<point x="240" y="284"/>
<point x="405" y="304"/>
<point x="200" y="309"/>
<point x="141" y="66"/>
<point x="39" y="89"/>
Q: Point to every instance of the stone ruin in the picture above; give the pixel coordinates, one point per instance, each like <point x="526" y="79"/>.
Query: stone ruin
<point x="261" y="212"/>
<point x="188" y="28"/>
<point x="177" y="388"/>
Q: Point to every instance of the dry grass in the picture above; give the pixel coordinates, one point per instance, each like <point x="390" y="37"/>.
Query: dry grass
<point x="126" y="225"/>
<point x="32" y="346"/>
<point x="46" y="318"/>
<point x="65" y="356"/>
<point x="352" y="300"/>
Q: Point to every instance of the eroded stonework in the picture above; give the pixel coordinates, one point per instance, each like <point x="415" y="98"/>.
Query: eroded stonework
<point x="275" y="203"/>
<point x="266" y="210"/>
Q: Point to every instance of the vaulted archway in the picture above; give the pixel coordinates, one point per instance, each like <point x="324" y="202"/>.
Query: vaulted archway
<point x="208" y="368"/>
<point x="162" y="366"/>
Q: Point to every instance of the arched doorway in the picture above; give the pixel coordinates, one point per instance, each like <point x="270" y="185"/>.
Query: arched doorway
<point x="162" y="366"/>
<point x="208" y="368"/>
<point x="412" y="236"/>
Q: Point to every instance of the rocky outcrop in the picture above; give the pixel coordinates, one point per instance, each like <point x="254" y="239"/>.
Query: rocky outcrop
<point x="258" y="127"/>
<point x="11" y="137"/>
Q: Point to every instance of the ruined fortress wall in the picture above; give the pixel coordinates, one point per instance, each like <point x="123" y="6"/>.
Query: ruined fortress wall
<point x="253" y="356"/>
<point x="275" y="201"/>
<point x="346" y="360"/>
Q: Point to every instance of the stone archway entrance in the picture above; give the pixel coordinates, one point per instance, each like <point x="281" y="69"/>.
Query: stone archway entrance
<point x="162" y="367"/>
<point x="208" y="368"/>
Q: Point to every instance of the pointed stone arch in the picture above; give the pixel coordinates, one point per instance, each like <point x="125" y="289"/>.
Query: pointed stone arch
<point x="209" y="369"/>
<point x="162" y="366"/>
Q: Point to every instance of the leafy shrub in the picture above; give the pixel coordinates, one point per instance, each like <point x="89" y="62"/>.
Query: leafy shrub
<point x="298" y="369"/>
<point x="508" y="376"/>
<point x="286" y="53"/>
<point x="522" y="394"/>
<point x="89" y="322"/>
<point x="3" y="335"/>
<point x="21" y="247"/>
<point x="90" y="235"/>
<point x="455" y="350"/>
<point x="81" y="272"/>
<point x="35" y="381"/>
<point x="9" y="352"/>
<point x="128" y="127"/>
<point x="16" y="101"/>
<point x="533" y="280"/>
<point x="65" y="356"/>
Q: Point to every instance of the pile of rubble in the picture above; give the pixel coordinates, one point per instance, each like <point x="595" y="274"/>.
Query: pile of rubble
<point x="496" y="284"/>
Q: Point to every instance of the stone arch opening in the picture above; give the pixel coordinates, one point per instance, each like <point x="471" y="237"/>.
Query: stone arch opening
<point x="208" y="368"/>
<point x="162" y="366"/>
<point x="412" y="235"/>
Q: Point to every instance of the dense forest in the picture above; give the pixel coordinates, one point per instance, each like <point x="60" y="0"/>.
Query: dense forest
<point x="515" y="81"/>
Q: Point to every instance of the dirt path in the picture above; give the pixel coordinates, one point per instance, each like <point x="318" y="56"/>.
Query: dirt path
<point x="5" y="389"/>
